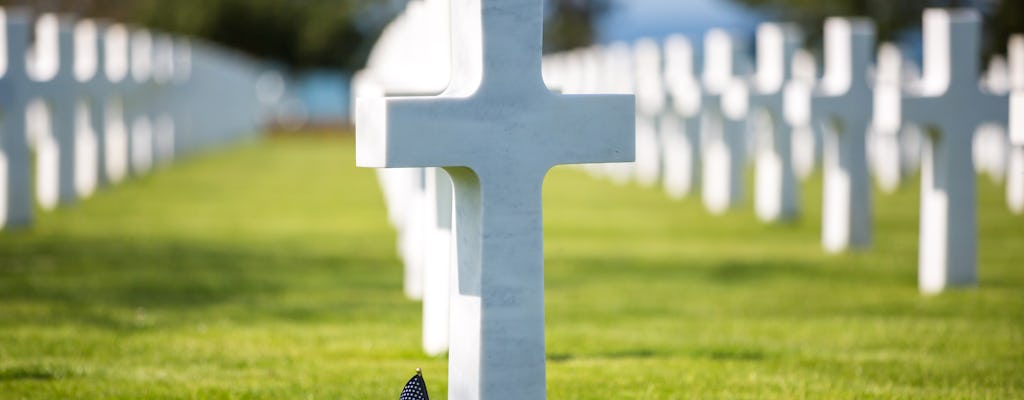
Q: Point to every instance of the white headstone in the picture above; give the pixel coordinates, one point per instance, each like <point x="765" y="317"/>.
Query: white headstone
<point x="650" y="106"/>
<point x="139" y="104"/>
<point x="87" y="137"/>
<point x="950" y="105"/>
<point x="618" y="78"/>
<point x="884" y="140"/>
<point x="164" y="126"/>
<point x="1015" y="164"/>
<point x="991" y="147"/>
<point x="680" y="127"/>
<point x="16" y="199"/>
<point x="776" y="194"/>
<point x="496" y="130"/>
<point x="412" y="57"/>
<point x="116" y="67"/>
<point x="51" y="68"/>
<point x="437" y="262"/>
<point x="722" y="139"/>
<point x="797" y="111"/>
<point x="842" y="104"/>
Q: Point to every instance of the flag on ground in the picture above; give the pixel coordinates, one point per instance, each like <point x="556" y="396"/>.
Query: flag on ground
<point x="416" y="388"/>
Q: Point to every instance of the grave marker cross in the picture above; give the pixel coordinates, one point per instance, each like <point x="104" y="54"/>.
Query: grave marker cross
<point x="722" y="128"/>
<point x="496" y="130"/>
<point x="16" y="204"/>
<point x="60" y="91"/>
<point x="950" y="105"/>
<point x="1015" y="169"/>
<point x="843" y="103"/>
<point x="775" y="196"/>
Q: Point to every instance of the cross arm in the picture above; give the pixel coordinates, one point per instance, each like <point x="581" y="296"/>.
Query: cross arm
<point x="941" y="110"/>
<point x="995" y="108"/>
<point x="592" y="129"/>
<point x="848" y="106"/>
<point x="406" y="132"/>
<point x="770" y="101"/>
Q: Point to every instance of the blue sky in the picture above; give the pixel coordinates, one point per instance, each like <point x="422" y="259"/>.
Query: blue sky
<point x="633" y="19"/>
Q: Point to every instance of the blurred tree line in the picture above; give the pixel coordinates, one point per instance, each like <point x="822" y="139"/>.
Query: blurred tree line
<point x="300" y="33"/>
<point x="894" y="17"/>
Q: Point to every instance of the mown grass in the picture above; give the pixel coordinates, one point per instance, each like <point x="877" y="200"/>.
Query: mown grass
<point x="269" y="271"/>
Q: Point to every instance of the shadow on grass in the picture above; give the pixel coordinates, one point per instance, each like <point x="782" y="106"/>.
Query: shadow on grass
<point x="717" y="354"/>
<point x="121" y="283"/>
<point x="35" y="372"/>
<point x="610" y="355"/>
<point x="722" y="272"/>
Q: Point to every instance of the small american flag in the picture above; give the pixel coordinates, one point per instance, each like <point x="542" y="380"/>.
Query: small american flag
<point x="415" y="389"/>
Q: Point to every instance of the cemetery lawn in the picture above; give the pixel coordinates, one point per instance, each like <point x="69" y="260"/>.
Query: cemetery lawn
<point x="269" y="271"/>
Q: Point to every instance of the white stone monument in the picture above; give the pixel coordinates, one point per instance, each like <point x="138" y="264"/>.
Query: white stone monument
<point x="722" y="141"/>
<point x="496" y="130"/>
<point x="884" y="151"/>
<point x="680" y="125"/>
<point x="88" y="135"/>
<point x="1015" y="164"/>
<point x="776" y="196"/>
<point x="618" y="78"/>
<point x="164" y="126"/>
<point x="806" y="137"/>
<point x="894" y="147"/>
<point x="16" y="200"/>
<point x="650" y="105"/>
<point x="114" y="140"/>
<point x="50" y="69"/>
<point x="991" y="143"/>
<point x="842" y="104"/>
<point x="139" y="102"/>
<point x="949" y="103"/>
<point x="437" y="263"/>
<point x="412" y="57"/>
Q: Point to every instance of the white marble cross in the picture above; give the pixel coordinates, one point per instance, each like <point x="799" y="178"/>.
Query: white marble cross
<point x="776" y="194"/>
<point x="88" y="134"/>
<point x="496" y="130"/>
<point x="650" y="105"/>
<point x="722" y="140"/>
<point x="991" y="143"/>
<point x="138" y="103"/>
<point x="51" y="74"/>
<point x="884" y="141"/>
<point x="16" y="200"/>
<point x="107" y="94"/>
<point x="1015" y="164"/>
<point x="437" y="262"/>
<point x="618" y="78"/>
<point x="164" y="125"/>
<point x="680" y="127"/>
<point x="950" y="105"/>
<point x="842" y="105"/>
<point x="797" y="112"/>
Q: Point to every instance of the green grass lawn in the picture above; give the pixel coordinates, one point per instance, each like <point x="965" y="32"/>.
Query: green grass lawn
<point x="269" y="271"/>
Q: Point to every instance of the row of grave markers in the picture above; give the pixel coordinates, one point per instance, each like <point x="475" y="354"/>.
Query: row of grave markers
<point x="461" y="163"/>
<point x="703" y="128"/>
<point x="86" y="103"/>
